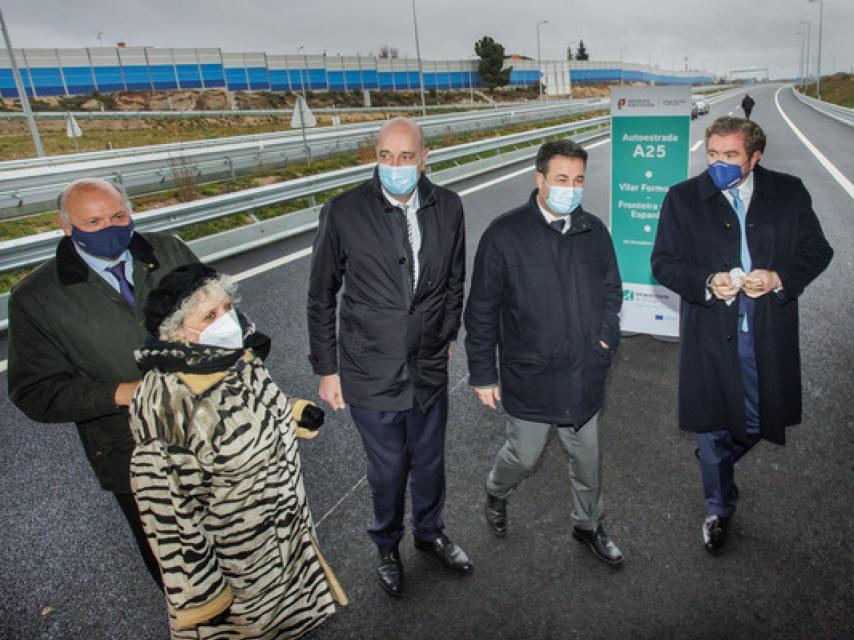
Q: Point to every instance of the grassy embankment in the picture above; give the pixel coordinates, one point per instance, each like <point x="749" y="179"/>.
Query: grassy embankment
<point x="838" y="89"/>
<point x="45" y="222"/>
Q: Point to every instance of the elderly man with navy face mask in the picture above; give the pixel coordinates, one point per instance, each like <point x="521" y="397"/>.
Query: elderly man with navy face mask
<point x="739" y="243"/>
<point x="396" y="245"/>
<point x="74" y="323"/>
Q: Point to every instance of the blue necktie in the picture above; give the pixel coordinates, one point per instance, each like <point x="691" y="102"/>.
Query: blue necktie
<point x="125" y="287"/>
<point x="746" y="264"/>
<point x="557" y="225"/>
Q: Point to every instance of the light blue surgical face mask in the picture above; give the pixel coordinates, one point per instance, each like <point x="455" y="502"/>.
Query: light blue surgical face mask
<point x="399" y="181"/>
<point x="564" y="200"/>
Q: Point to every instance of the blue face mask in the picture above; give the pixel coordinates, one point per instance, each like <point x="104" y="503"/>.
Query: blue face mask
<point x="564" y="200"/>
<point x="108" y="242"/>
<point x="724" y="174"/>
<point x="399" y="181"/>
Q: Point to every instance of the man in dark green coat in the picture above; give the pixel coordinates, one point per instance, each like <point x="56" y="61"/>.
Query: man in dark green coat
<point x="74" y="323"/>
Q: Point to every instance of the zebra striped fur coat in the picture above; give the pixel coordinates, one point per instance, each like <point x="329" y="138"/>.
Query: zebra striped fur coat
<point x="217" y="477"/>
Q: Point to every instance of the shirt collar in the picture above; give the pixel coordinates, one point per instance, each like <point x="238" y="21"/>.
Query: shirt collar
<point x="410" y="205"/>
<point x="550" y="217"/>
<point x="100" y="265"/>
<point x="745" y="189"/>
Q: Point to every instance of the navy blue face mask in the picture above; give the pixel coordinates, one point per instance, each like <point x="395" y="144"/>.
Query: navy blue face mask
<point x="724" y="174"/>
<point x="108" y="242"/>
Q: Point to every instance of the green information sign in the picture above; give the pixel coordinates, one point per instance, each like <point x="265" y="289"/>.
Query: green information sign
<point x="650" y="140"/>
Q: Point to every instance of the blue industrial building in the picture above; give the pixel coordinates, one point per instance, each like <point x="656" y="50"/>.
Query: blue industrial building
<point x="58" y="72"/>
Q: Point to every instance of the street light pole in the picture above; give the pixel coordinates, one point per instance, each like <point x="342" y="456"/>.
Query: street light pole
<point x="420" y="67"/>
<point x="22" y="93"/>
<point x="540" y="60"/>
<point x="802" y="41"/>
<point x="808" y="48"/>
<point x="820" y="31"/>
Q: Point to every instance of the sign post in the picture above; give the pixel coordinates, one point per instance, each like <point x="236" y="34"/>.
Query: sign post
<point x="650" y="136"/>
<point x="303" y="117"/>
<point x="72" y="130"/>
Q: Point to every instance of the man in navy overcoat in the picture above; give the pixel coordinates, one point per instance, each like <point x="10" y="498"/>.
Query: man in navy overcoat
<point x="739" y="243"/>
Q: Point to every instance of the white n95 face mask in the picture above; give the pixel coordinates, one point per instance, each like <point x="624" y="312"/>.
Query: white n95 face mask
<point x="223" y="332"/>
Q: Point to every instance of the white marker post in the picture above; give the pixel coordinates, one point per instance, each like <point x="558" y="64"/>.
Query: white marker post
<point x="73" y="130"/>
<point x="303" y="117"/>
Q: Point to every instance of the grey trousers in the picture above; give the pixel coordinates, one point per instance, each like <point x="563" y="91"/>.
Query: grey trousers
<point x="523" y="448"/>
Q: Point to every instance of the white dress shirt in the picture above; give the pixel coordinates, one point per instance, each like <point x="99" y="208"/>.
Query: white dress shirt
<point x="550" y="217"/>
<point x="100" y="265"/>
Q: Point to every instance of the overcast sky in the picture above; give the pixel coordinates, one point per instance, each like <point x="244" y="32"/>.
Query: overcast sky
<point x="716" y="35"/>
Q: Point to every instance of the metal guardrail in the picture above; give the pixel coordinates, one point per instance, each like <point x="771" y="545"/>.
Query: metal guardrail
<point x="835" y="111"/>
<point x="26" y="252"/>
<point x="34" y="188"/>
<point x="174" y="147"/>
<point x="177" y="113"/>
<point x="222" y="113"/>
<point x="229" y="243"/>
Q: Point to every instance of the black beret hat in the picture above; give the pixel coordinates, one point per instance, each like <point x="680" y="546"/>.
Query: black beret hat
<point x="175" y="287"/>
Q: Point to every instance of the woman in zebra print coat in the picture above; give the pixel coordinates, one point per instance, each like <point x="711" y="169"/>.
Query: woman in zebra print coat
<point x="216" y="471"/>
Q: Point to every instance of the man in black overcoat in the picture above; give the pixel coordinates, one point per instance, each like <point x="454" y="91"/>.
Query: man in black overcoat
<point x="396" y="246"/>
<point x="739" y="243"/>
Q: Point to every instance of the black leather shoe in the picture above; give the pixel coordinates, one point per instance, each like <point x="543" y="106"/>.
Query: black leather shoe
<point x="390" y="572"/>
<point x="450" y="553"/>
<point x="496" y="515"/>
<point x="714" y="532"/>
<point x="600" y="544"/>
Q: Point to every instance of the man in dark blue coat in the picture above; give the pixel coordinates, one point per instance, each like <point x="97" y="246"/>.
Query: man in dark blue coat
<point x="738" y="243"/>
<point x="546" y="292"/>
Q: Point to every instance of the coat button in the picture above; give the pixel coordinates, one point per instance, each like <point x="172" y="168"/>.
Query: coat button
<point x="727" y="225"/>
<point x="402" y="260"/>
<point x="729" y="337"/>
<point x="727" y="265"/>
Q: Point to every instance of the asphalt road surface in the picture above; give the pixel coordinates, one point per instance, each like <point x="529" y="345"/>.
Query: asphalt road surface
<point x="69" y="569"/>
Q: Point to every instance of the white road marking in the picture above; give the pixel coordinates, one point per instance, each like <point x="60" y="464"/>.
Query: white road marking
<point x="844" y="182"/>
<point x="267" y="266"/>
<point x="340" y="500"/>
<point x="302" y="253"/>
<point x="696" y="146"/>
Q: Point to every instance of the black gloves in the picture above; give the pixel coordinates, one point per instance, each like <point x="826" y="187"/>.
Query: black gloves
<point x="311" y="418"/>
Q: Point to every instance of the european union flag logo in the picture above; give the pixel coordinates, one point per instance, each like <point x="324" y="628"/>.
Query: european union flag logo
<point x="658" y="316"/>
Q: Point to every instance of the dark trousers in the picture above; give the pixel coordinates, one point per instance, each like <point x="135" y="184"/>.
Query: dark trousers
<point x="128" y="506"/>
<point x="718" y="451"/>
<point x="399" y="446"/>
